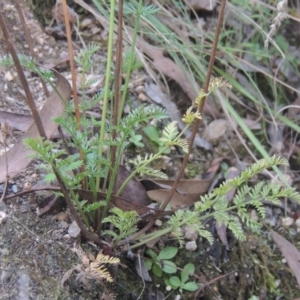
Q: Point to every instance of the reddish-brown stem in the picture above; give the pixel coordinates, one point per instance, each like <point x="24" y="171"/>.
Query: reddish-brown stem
<point x="201" y="104"/>
<point x="86" y="233"/>
<point x="29" y="41"/>
<point x="74" y="85"/>
<point x="23" y="79"/>
<point x="197" y="122"/>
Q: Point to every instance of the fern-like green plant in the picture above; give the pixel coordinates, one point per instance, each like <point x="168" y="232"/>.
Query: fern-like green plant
<point x="234" y="216"/>
<point x="124" y="221"/>
<point x="57" y="161"/>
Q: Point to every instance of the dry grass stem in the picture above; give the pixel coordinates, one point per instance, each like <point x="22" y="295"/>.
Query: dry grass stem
<point x="281" y="15"/>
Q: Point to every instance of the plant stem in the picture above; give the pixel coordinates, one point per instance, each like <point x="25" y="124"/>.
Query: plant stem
<point x="107" y="83"/>
<point x="24" y="82"/>
<point x="131" y="57"/>
<point x="74" y="84"/>
<point x="201" y="105"/>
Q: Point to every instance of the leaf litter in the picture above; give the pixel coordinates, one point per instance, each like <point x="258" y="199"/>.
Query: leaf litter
<point x="18" y="157"/>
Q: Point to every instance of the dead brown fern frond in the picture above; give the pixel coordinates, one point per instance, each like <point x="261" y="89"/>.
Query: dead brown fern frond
<point x="91" y="268"/>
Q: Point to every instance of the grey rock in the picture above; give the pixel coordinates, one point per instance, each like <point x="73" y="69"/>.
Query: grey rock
<point x="74" y="230"/>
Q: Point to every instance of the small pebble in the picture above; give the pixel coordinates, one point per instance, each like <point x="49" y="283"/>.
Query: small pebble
<point x="86" y="23"/>
<point x="283" y="261"/>
<point x="142" y="97"/>
<point x="67" y="236"/>
<point x="158" y="223"/>
<point x="215" y="130"/>
<point x="27" y="186"/>
<point x="288" y="221"/>
<point x="191" y="246"/>
<point x="277" y="283"/>
<point x="139" y="88"/>
<point x="298" y="222"/>
<point x="190" y="233"/>
<point x="74" y="230"/>
<point x="61" y="216"/>
<point x="63" y="224"/>
<point x="8" y="76"/>
<point x="3" y="217"/>
<point x="14" y="188"/>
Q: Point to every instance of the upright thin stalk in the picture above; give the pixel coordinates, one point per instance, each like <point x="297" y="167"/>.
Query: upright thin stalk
<point x="107" y="81"/>
<point x="74" y="85"/>
<point x="201" y="104"/>
<point x="29" y="41"/>
<point x="114" y="158"/>
<point x="197" y="122"/>
<point x="131" y="56"/>
<point x="29" y="98"/>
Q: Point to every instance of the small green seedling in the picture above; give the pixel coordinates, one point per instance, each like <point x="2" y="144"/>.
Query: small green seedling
<point x="161" y="263"/>
<point x="136" y="139"/>
<point x="181" y="283"/>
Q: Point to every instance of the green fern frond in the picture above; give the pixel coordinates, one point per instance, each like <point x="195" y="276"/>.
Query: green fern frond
<point x="139" y="160"/>
<point x="124" y="221"/>
<point x="141" y="114"/>
<point x="178" y="234"/>
<point x="206" y="203"/>
<point x="28" y="63"/>
<point x="169" y="133"/>
<point x="235" y="226"/>
<point x="181" y="143"/>
<point x="93" y="206"/>
<point x="50" y="177"/>
<point x="220" y="205"/>
<point x="153" y="173"/>
<point x="176" y="218"/>
<point x="207" y="235"/>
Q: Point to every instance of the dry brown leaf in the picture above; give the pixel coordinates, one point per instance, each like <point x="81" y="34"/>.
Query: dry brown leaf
<point x="16" y="121"/>
<point x="188" y="191"/>
<point x="167" y="67"/>
<point x="122" y="203"/>
<point x="290" y="253"/>
<point x="134" y="190"/>
<point x="51" y="204"/>
<point x="202" y="4"/>
<point x="17" y="157"/>
<point x="141" y="269"/>
<point x="125" y="204"/>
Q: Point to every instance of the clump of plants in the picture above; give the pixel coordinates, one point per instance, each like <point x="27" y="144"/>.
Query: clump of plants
<point x="89" y="159"/>
<point x="72" y="172"/>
